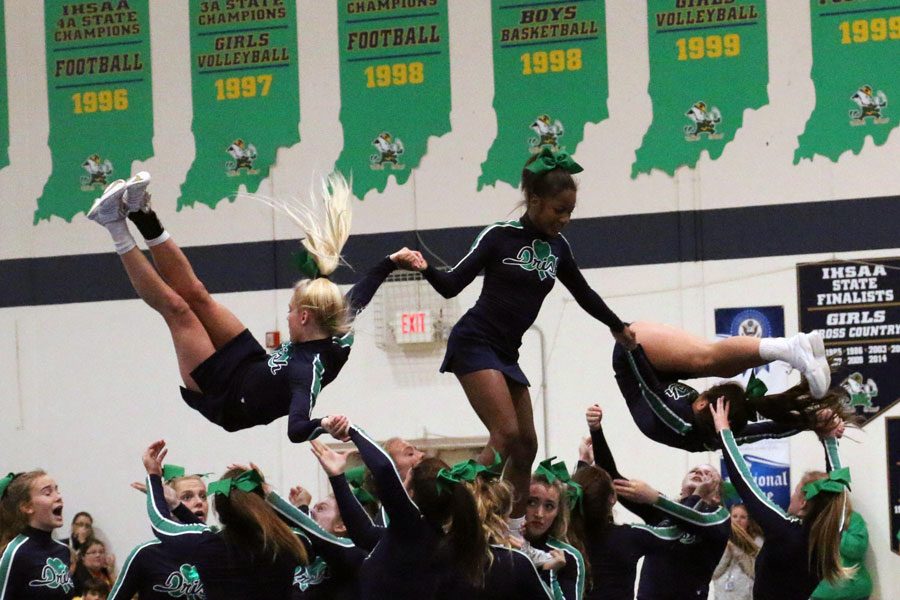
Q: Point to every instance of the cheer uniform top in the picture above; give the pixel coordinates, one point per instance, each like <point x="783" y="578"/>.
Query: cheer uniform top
<point x="510" y="576"/>
<point x="568" y="582"/>
<point x="155" y="572"/>
<point x="614" y="555"/>
<point x="520" y="266"/>
<point x="228" y="571"/>
<point x="403" y="565"/>
<point x="364" y="532"/>
<point x="680" y="569"/>
<point x="661" y="406"/>
<point x="34" y="566"/>
<point x="242" y="386"/>
<point x="783" y="570"/>
<point x="334" y="562"/>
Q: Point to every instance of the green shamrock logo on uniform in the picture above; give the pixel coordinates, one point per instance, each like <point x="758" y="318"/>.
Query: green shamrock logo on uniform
<point x="183" y="583"/>
<point x="54" y="575"/>
<point x="314" y="574"/>
<point x="536" y="257"/>
<point x="280" y="358"/>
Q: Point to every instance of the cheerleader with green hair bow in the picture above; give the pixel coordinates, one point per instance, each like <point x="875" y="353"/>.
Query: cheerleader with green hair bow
<point x="552" y="496"/>
<point x="32" y="563"/>
<point x="521" y="260"/>
<point x="803" y="543"/>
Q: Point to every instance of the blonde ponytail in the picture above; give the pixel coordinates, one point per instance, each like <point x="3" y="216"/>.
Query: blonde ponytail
<point x="325" y="222"/>
<point x="324" y="219"/>
<point x="825" y="516"/>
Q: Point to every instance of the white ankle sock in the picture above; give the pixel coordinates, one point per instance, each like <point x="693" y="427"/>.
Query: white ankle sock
<point x="121" y="236"/>
<point x="775" y="349"/>
<point x="158" y="240"/>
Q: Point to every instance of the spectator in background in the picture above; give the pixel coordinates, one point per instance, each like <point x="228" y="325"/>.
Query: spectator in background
<point x="94" y="589"/>
<point x="81" y="531"/>
<point x="733" y="578"/>
<point x="92" y="564"/>
<point x="854" y="543"/>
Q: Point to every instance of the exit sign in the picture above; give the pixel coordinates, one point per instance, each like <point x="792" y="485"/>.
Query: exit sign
<point x="413" y="327"/>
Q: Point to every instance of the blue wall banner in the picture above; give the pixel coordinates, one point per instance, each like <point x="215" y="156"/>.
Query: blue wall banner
<point x="770" y="464"/>
<point x="855" y="306"/>
<point x="769" y="460"/>
<point x="892" y="437"/>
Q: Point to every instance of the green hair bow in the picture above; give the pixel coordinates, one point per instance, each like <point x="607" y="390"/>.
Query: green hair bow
<point x="755" y="387"/>
<point x="170" y="472"/>
<point x="461" y="471"/>
<point x="355" y="477"/>
<point x="548" y="160"/>
<point x="245" y="482"/>
<point x="305" y="263"/>
<point x="467" y="470"/>
<point x="551" y="472"/>
<point x="558" y="472"/>
<point x="4" y="483"/>
<point x="835" y="483"/>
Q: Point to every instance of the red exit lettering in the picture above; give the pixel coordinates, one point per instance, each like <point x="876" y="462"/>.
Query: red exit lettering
<point x="412" y="323"/>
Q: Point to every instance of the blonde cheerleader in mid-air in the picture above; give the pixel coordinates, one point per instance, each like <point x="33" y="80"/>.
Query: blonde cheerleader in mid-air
<point x="228" y="376"/>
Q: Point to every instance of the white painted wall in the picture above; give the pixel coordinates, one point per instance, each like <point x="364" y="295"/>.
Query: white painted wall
<point x="86" y="386"/>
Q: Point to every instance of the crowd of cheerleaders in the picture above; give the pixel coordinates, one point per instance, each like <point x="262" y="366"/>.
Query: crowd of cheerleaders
<point x="455" y="531"/>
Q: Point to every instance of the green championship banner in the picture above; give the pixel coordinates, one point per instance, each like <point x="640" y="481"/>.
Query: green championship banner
<point x="856" y="72"/>
<point x="395" y="87"/>
<point x="4" y="103"/>
<point x="708" y="64"/>
<point x="245" y="91"/>
<point x="99" y="97"/>
<point x="550" y="79"/>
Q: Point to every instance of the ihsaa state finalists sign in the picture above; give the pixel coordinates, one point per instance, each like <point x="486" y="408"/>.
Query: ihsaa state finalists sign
<point x="855" y="306"/>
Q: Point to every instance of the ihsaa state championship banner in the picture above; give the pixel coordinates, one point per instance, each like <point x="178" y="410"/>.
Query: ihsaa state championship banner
<point x="245" y="92"/>
<point x="99" y="96"/>
<point x="769" y="460"/>
<point x="892" y="437"/>
<point x="550" y="79"/>
<point x="395" y="87"/>
<point x="856" y="53"/>
<point x="708" y="64"/>
<point x="4" y="104"/>
<point x="855" y="306"/>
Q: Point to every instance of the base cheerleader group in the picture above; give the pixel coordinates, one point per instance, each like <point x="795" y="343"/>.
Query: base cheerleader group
<point x="410" y="526"/>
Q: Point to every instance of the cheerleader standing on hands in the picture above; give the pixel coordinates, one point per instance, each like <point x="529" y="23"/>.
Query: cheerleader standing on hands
<point x="521" y="260"/>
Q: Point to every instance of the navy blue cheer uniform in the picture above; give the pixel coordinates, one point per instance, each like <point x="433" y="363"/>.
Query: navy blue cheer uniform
<point x="510" y="576"/>
<point x="615" y="553"/>
<point x="403" y="565"/>
<point x="520" y="266"/>
<point x="228" y="571"/>
<point x="364" y="532"/>
<point x="661" y="406"/>
<point x="568" y="582"/>
<point x="155" y="572"/>
<point x="334" y="562"/>
<point x="34" y="566"/>
<point x="243" y="386"/>
<point x="784" y="569"/>
<point x="682" y="569"/>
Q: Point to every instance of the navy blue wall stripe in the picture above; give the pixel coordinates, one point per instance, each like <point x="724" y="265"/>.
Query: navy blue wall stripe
<point x="685" y="236"/>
